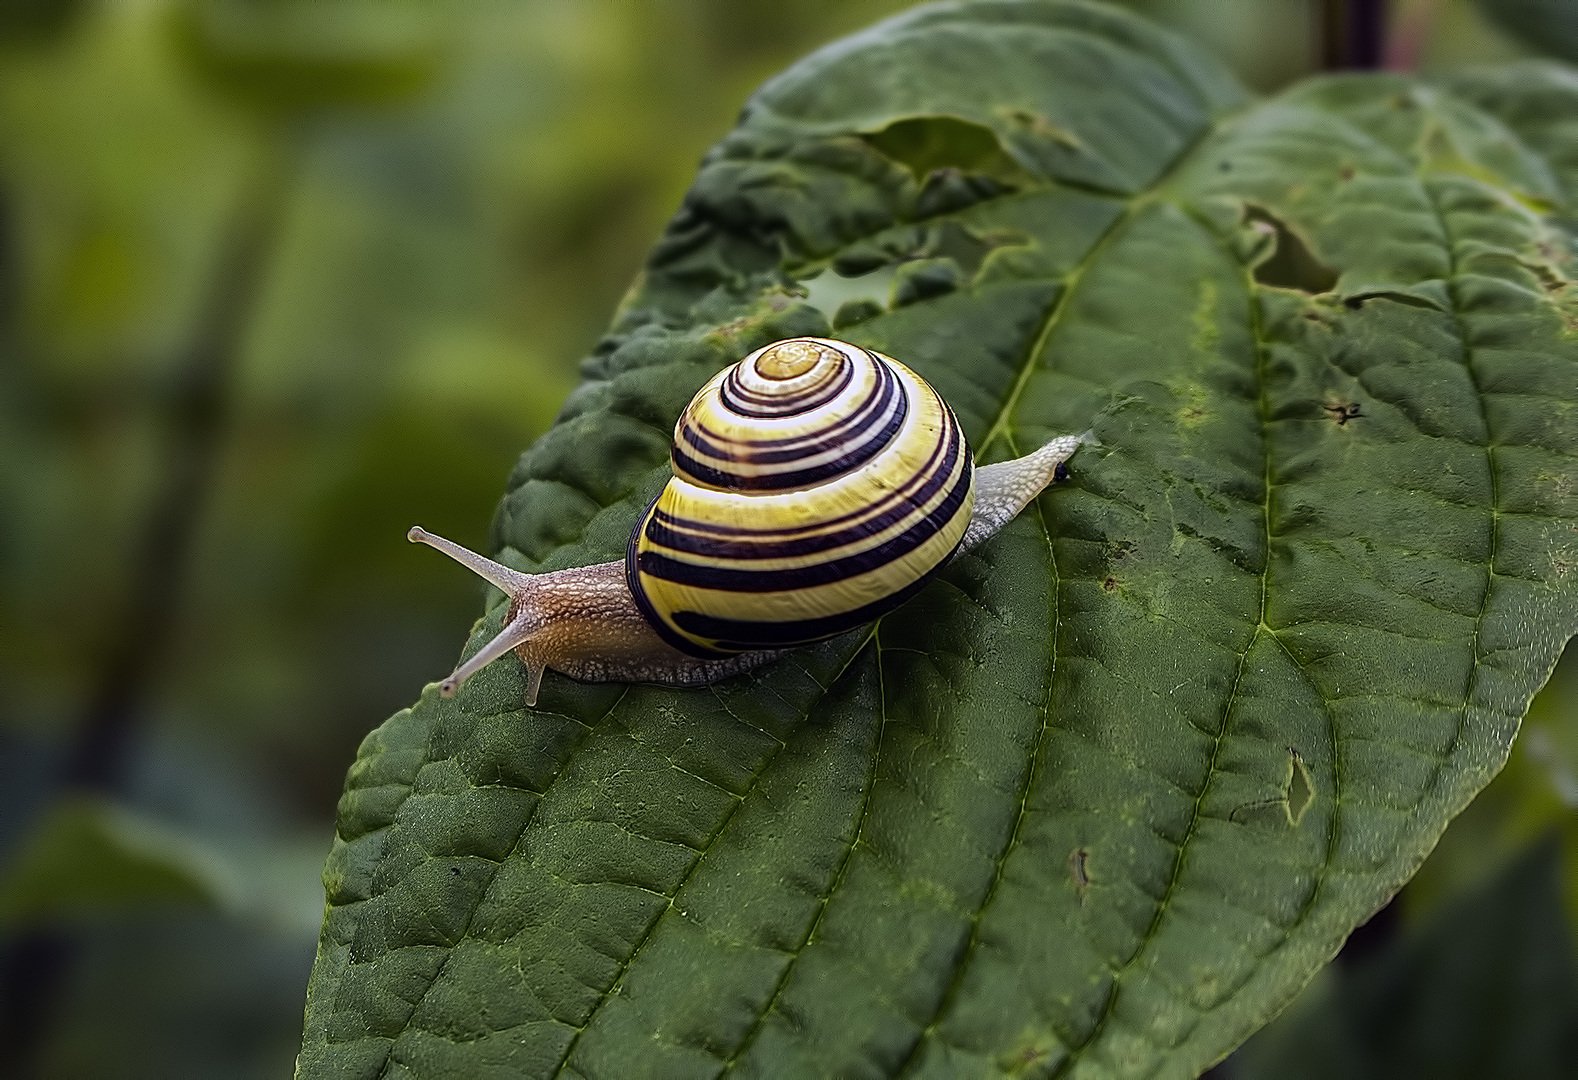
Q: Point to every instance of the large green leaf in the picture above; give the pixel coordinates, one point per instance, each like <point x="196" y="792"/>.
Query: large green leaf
<point x="1102" y="798"/>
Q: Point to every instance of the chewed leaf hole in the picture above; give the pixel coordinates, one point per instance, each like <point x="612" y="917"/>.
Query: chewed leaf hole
<point x="927" y="144"/>
<point x="1287" y="808"/>
<point x="1300" y="791"/>
<point x="1408" y="297"/>
<point x="1286" y="261"/>
<point x="847" y="300"/>
<point x="901" y="267"/>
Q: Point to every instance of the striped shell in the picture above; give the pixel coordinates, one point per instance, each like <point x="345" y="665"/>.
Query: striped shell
<point x="817" y="485"/>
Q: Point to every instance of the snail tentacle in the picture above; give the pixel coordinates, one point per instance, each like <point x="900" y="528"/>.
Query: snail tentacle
<point x="503" y="577"/>
<point x="1005" y="488"/>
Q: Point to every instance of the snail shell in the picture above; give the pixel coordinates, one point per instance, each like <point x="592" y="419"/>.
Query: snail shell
<point x="817" y="486"/>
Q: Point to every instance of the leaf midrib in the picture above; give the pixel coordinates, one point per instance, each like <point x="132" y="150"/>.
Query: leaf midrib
<point x="838" y="876"/>
<point x="1465" y="343"/>
<point x="1000" y="428"/>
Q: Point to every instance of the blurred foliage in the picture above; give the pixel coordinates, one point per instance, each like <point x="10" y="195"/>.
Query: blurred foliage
<point x="1500" y="954"/>
<point x="1546" y="26"/>
<point x="86" y="857"/>
<point x="457" y="198"/>
<point x="1536" y="795"/>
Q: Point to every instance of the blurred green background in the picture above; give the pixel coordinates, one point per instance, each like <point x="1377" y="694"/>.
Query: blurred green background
<point x="277" y="282"/>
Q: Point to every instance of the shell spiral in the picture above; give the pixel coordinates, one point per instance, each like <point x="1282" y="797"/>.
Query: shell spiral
<point x="817" y="485"/>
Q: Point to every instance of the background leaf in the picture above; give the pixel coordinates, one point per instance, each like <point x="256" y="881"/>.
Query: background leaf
<point x="89" y="858"/>
<point x="1545" y="27"/>
<point x="1488" y="986"/>
<point x="1110" y="792"/>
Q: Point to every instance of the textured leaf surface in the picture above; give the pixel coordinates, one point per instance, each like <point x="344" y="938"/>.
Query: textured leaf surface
<point x="1102" y="798"/>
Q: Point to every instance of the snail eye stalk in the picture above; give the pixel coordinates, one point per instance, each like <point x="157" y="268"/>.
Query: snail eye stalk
<point x="515" y="632"/>
<point x="512" y="582"/>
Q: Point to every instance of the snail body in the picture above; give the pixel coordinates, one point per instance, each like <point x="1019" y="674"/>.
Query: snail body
<point x="817" y="486"/>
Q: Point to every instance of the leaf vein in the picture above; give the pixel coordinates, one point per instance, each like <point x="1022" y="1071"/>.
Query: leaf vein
<point x="482" y="895"/>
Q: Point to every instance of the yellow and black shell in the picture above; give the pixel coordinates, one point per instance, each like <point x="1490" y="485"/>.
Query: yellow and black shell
<point x="817" y="485"/>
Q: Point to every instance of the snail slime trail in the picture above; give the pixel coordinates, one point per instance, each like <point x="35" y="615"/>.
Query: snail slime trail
<point x="817" y="486"/>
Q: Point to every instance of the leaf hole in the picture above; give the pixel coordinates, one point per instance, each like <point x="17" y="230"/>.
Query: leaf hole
<point x="1356" y="301"/>
<point x="846" y="300"/>
<point x="928" y="145"/>
<point x="1299" y="791"/>
<point x="1287" y="808"/>
<point x="1286" y="262"/>
<point x="903" y="267"/>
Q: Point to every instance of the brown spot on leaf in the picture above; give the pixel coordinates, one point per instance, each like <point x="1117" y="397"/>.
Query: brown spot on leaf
<point x="1343" y="411"/>
<point x="1030" y="1055"/>
<point x="1079" y="871"/>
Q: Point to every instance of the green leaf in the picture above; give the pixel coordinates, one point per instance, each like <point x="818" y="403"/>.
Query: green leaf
<point x="289" y="58"/>
<point x="1488" y="987"/>
<point x="1105" y="796"/>
<point x="1549" y="28"/>
<point x="89" y="858"/>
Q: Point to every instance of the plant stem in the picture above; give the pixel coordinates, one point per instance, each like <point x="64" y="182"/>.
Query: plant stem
<point x="196" y="417"/>
<point x="1353" y="34"/>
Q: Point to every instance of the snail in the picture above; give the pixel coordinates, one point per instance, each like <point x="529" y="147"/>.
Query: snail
<point x="817" y="486"/>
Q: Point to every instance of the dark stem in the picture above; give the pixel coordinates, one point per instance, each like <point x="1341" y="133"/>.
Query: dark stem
<point x="1353" y="34"/>
<point x="1372" y="938"/>
<point x="195" y="417"/>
